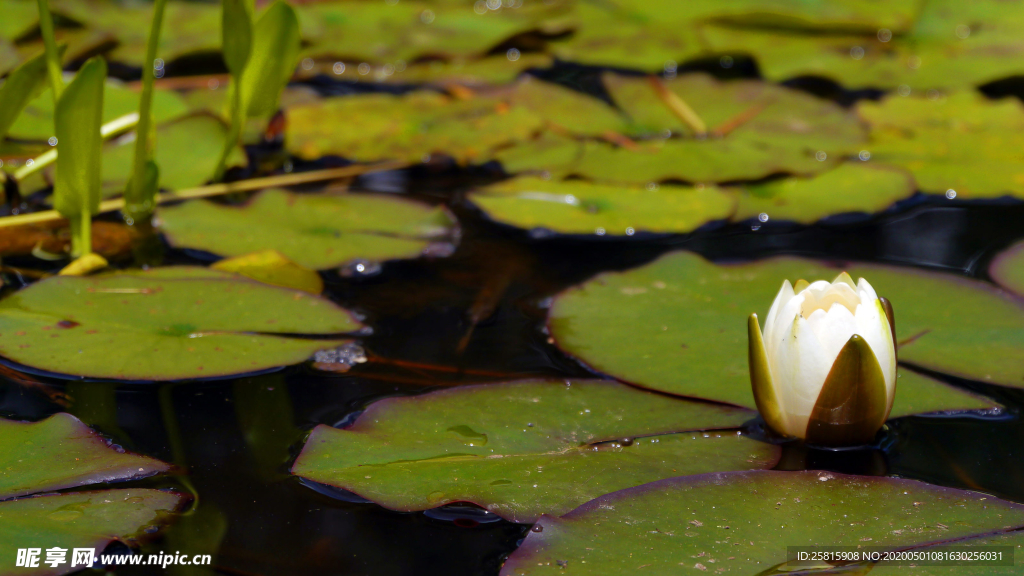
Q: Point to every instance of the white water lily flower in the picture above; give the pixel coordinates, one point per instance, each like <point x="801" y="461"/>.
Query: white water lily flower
<point x="824" y="369"/>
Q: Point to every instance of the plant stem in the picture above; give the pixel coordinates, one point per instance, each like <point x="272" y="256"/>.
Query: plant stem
<point x="219" y="189"/>
<point x="53" y="65"/>
<point x="234" y="132"/>
<point x="138" y="196"/>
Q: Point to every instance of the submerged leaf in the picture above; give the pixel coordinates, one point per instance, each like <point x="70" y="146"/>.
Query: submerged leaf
<point x="733" y="521"/>
<point x="684" y="315"/>
<point x="185" y="322"/>
<point x="313" y="230"/>
<point x="524" y="448"/>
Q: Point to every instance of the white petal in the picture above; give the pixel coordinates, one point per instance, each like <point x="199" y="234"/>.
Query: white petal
<point x="784" y="295"/>
<point x="782" y="323"/>
<point x="833" y="329"/>
<point x="867" y="293"/>
<point x="799" y="367"/>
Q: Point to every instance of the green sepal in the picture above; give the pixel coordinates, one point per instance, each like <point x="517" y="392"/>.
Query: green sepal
<point x="887" y="309"/>
<point x="851" y="406"/>
<point x="761" y="378"/>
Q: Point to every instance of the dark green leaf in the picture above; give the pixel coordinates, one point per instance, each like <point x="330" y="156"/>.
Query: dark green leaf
<point x="78" y="116"/>
<point x="236" y="35"/>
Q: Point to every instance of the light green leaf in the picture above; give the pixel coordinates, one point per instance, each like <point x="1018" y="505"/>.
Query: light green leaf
<point x="78" y="118"/>
<point x="849" y="187"/>
<point x="275" y="49"/>
<point x="186" y="322"/>
<point x="580" y="207"/>
<point x="520" y="449"/>
<point x="236" y="35"/>
<point x="313" y="230"/>
<point x="1008" y="268"/>
<point x="20" y="87"/>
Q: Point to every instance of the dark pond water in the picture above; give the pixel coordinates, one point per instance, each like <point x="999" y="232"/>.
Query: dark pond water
<point x="478" y="315"/>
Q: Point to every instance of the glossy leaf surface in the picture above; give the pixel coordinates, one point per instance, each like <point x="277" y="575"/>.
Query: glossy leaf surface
<point x="525" y="448"/>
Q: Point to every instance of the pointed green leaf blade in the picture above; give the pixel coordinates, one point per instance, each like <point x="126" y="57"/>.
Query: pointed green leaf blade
<point x="78" y="117"/>
<point x="274" y="53"/>
<point x="236" y="34"/>
<point x="20" y="87"/>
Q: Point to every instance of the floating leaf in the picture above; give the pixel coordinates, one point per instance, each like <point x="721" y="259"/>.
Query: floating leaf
<point x="847" y="188"/>
<point x="684" y="315"/>
<point x="1008" y="268"/>
<point x="36" y="123"/>
<point x="963" y="142"/>
<point x="579" y="207"/>
<point x="80" y="520"/>
<point x="733" y="521"/>
<point x="185" y="322"/>
<point x="272" y="267"/>
<point x="186" y="151"/>
<point x="313" y="230"/>
<point x="63" y="453"/>
<point x="524" y="448"/>
<point x="378" y="126"/>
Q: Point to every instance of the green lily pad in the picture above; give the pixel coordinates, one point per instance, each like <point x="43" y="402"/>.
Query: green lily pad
<point x="378" y="126"/>
<point x="186" y="150"/>
<point x="580" y="207"/>
<point x="36" y="122"/>
<point x="1008" y="268"/>
<point x="80" y="520"/>
<point x="185" y="322"/>
<point x="684" y="315"/>
<point x="962" y="142"/>
<point x="524" y="448"/>
<point x="733" y="521"/>
<point x="850" y="187"/>
<point x="313" y="230"/>
<point x="766" y="129"/>
<point x="61" y="452"/>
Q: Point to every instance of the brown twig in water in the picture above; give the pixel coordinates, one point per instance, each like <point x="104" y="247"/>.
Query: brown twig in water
<point x="740" y="119"/>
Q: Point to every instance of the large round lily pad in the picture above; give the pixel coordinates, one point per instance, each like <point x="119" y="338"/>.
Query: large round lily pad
<point x="679" y="324"/>
<point x="164" y="324"/>
<point x="525" y="448"/>
<point x="733" y="522"/>
<point x="580" y="207"/>
<point x="1008" y="268"/>
<point x="61" y="452"/>
<point x="963" y="142"/>
<point x="313" y="230"/>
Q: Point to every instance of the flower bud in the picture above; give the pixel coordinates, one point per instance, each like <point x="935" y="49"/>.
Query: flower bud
<point x="824" y="369"/>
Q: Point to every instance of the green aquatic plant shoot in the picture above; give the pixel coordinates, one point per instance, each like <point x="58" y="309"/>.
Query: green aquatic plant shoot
<point x="53" y="55"/>
<point x="260" y="58"/>
<point x="140" y="193"/>
<point x="78" y="117"/>
<point x="21" y="86"/>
